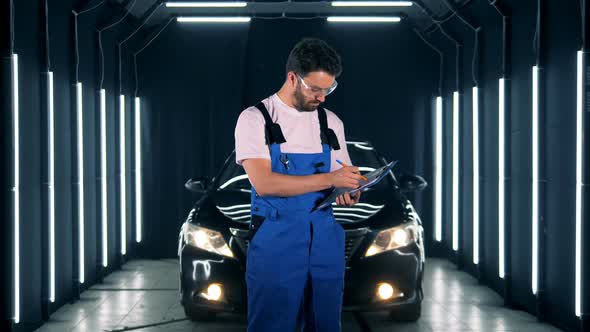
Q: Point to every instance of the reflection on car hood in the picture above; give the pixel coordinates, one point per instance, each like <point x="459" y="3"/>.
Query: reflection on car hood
<point x="239" y="212"/>
<point x="235" y="206"/>
<point x="359" y="212"/>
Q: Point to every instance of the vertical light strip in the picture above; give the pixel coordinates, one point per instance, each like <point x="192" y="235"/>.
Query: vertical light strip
<point x="475" y="175"/>
<point x="579" y="140"/>
<point x="122" y="156"/>
<point x="15" y="188"/>
<point x="501" y="177"/>
<point x="438" y="170"/>
<point x="51" y="185"/>
<point x="138" y="202"/>
<point x="535" y="180"/>
<point x="80" y="147"/>
<point x="103" y="177"/>
<point x="455" y="171"/>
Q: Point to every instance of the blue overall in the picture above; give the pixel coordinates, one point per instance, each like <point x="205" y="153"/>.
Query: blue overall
<point x="295" y="264"/>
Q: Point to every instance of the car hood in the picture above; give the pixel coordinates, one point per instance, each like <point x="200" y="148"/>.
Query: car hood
<point x="378" y="208"/>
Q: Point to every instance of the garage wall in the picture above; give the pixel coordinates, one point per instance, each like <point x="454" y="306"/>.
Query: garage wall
<point x="560" y="39"/>
<point x="29" y="44"/>
<point x="560" y="158"/>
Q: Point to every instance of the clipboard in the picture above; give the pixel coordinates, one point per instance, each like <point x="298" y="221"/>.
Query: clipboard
<point x="373" y="178"/>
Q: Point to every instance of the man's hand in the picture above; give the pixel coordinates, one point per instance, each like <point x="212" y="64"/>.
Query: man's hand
<point x="345" y="177"/>
<point x="348" y="200"/>
<point x="269" y="183"/>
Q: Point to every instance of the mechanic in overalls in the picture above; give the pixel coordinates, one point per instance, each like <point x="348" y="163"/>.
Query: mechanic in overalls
<point x="288" y="146"/>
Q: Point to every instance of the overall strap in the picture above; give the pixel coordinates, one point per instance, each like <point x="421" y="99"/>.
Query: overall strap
<point x="327" y="134"/>
<point x="273" y="133"/>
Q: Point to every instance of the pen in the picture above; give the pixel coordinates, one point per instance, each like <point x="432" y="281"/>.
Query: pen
<point x="343" y="164"/>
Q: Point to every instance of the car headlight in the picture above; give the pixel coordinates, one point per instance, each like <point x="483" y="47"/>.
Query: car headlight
<point x="393" y="238"/>
<point x="206" y="239"/>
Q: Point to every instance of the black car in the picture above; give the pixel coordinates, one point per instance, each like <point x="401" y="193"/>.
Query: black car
<point x="384" y="243"/>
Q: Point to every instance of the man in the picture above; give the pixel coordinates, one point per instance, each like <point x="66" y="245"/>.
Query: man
<point x="288" y="146"/>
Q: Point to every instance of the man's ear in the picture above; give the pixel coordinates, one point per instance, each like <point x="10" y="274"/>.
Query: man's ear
<point x="292" y="78"/>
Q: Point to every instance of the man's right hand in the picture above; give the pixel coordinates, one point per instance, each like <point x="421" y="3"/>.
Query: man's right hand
<point x="345" y="177"/>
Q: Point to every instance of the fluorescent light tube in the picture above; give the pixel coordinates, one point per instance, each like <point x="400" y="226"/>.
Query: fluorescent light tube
<point x="501" y="178"/>
<point x="535" y="180"/>
<point x="103" y="177"/>
<point x="475" y="175"/>
<point x="438" y="169"/>
<point x="579" y="167"/>
<point x="371" y="3"/>
<point x="364" y="19"/>
<point x="16" y="187"/>
<point x="80" y="147"/>
<point x="186" y="19"/>
<point x="51" y="185"/>
<point x="205" y="4"/>
<point x="138" y="197"/>
<point x="456" y="171"/>
<point x="123" y="185"/>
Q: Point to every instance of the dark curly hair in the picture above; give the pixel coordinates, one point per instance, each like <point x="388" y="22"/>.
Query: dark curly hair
<point x="311" y="54"/>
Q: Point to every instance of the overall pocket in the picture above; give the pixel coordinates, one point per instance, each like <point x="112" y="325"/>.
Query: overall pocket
<point x="255" y="225"/>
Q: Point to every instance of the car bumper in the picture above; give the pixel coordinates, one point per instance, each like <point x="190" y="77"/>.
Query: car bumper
<point x="401" y="268"/>
<point x="199" y="269"/>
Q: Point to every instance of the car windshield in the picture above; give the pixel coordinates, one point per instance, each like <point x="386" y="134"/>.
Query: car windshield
<point x="233" y="176"/>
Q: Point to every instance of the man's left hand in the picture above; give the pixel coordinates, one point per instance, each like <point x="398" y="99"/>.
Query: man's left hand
<point x="348" y="200"/>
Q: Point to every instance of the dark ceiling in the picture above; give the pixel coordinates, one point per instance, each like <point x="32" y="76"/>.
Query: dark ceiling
<point x="416" y="15"/>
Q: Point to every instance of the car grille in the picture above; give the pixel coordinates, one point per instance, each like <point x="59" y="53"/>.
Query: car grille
<point x="350" y="246"/>
<point x="352" y="241"/>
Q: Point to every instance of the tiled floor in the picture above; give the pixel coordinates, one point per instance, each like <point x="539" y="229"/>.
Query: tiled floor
<point x="143" y="297"/>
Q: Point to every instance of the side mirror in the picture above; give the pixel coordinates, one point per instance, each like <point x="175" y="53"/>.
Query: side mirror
<point x="411" y="183"/>
<point x="199" y="185"/>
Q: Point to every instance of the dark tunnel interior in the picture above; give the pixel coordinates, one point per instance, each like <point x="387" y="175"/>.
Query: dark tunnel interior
<point x="507" y="197"/>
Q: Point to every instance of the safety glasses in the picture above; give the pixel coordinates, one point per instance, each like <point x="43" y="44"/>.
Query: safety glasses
<point x="313" y="90"/>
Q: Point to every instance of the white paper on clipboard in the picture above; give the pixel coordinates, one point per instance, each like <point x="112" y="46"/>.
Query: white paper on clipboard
<point x="373" y="178"/>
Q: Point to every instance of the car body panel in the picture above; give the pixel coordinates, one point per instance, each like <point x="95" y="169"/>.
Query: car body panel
<point x="224" y="208"/>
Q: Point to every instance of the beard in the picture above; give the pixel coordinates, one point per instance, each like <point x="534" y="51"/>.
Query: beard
<point x="301" y="104"/>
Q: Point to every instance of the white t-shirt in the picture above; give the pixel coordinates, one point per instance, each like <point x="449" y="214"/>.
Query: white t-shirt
<point x="301" y="130"/>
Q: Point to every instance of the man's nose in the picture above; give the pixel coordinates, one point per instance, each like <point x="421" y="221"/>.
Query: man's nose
<point x="321" y="98"/>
